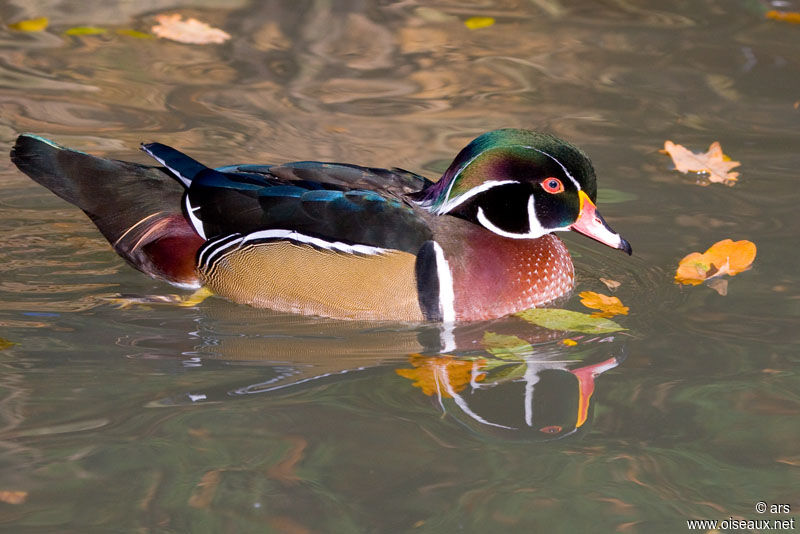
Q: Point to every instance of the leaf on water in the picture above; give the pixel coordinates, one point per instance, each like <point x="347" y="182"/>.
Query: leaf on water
<point x="86" y="30"/>
<point x="476" y="23"/>
<point x="13" y="497"/>
<point x="30" y="25"/>
<point x="608" y="306"/>
<point x="723" y="257"/>
<point x="190" y="31"/>
<point x="569" y="342"/>
<point x="6" y="344"/>
<point x="611" y="284"/>
<point x="716" y="165"/>
<point x="567" y="320"/>
<point x="506" y="347"/>
<point x="441" y="375"/>
<point x="134" y="33"/>
<point x="784" y="16"/>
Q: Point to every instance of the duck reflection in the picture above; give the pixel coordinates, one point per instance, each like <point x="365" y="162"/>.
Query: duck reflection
<point x="533" y="398"/>
<point x="505" y="378"/>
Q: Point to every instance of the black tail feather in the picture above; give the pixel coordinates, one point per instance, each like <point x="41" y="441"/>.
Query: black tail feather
<point x="136" y="207"/>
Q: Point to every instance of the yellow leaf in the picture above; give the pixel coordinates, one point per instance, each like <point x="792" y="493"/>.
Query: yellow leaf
<point x="441" y="375"/>
<point x="569" y="342"/>
<point x="188" y="31"/>
<point x="608" y="306"/>
<point x="785" y="16"/>
<point x="5" y="344"/>
<point x="723" y="257"/>
<point x="476" y="23"/>
<point x="13" y="497"/>
<point x="30" y="25"/>
<point x="713" y="163"/>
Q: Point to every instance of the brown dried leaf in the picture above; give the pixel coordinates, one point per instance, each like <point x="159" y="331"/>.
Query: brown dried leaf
<point x="713" y="163"/>
<point x="611" y="284"/>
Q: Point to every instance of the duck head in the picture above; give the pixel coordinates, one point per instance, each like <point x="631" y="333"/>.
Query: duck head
<point x="522" y="184"/>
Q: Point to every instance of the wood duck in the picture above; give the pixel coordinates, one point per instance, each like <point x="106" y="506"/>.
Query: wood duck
<point x="340" y="240"/>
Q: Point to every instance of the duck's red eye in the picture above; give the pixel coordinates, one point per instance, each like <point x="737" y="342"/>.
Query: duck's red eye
<point x="552" y="185"/>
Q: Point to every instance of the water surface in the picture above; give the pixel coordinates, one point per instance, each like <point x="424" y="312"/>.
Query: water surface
<point x="222" y="418"/>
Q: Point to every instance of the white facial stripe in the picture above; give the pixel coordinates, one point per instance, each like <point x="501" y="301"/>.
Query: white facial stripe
<point x="447" y="295"/>
<point x="315" y="241"/>
<point x="574" y="181"/>
<point x="534" y="228"/>
<point x="454" y="203"/>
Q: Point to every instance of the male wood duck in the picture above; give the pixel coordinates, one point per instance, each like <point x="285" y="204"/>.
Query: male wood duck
<point x="340" y="240"/>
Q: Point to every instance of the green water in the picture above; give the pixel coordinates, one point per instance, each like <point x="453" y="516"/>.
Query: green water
<point x="222" y="418"/>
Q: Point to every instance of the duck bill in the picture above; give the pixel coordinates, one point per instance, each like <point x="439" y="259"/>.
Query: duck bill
<point x="591" y="224"/>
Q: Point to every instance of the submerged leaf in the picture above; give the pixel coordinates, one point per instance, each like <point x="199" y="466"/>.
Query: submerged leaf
<point x="442" y="375"/>
<point x="723" y="257"/>
<point x="608" y="306"/>
<point x="6" y="344"/>
<point x="190" y="31"/>
<point x="713" y="163"/>
<point x="134" y="33"/>
<point x="30" y="25"/>
<point x="506" y="347"/>
<point x="476" y="23"/>
<point x="86" y="30"/>
<point x="556" y="319"/>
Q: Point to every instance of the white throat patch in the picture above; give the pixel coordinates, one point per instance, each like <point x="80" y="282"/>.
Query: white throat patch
<point x="535" y="229"/>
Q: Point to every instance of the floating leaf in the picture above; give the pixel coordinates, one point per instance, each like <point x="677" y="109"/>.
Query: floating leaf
<point x="608" y="306"/>
<point x="134" y="33"/>
<point x="569" y="342"/>
<point x="611" y="284"/>
<point x="723" y="257"/>
<point x="556" y="319"/>
<point x="441" y="375"/>
<point x="188" y="31"/>
<point x="716" y="165"/>
<point x="476" y="23"/>
<point x="30" y="25"/>
<point x="785" y="16"/>
<point x="13" y="497"/>
<point x="6" y="344"/>
<point x="506" y="347"/>
<point x="86" y="30"/>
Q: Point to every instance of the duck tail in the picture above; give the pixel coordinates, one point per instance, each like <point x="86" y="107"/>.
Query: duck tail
<point x="136" y="207"/>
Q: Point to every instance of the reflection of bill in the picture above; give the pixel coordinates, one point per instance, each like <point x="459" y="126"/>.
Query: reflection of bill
<point x="532" y="399"/>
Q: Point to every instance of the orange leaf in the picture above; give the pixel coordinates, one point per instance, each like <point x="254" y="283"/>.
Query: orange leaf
<point x="189" y="31"/>
<point x="13" y="497"/>
<point x="723" y="257"/>
<point x="785" y="16"/>
<point x="716" y="165"/>
<point x="608" y="306"/>
<point x="441" y="375"/>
